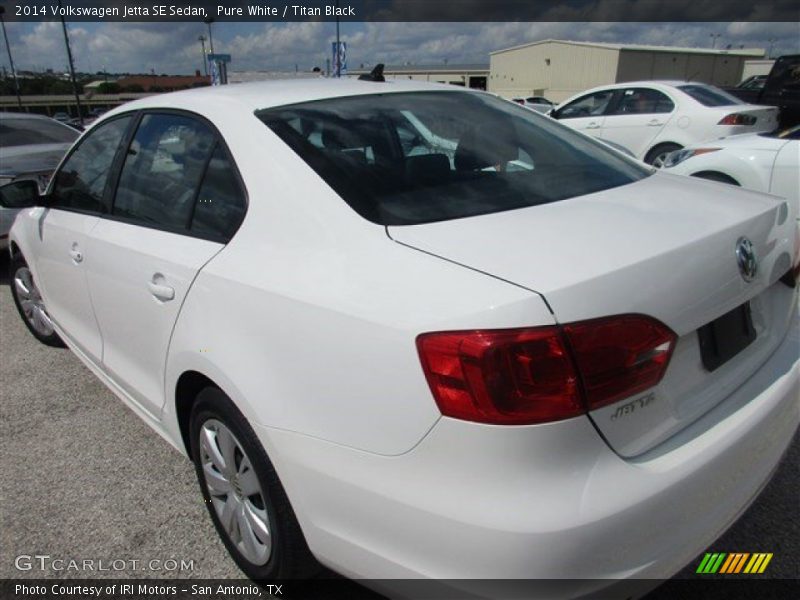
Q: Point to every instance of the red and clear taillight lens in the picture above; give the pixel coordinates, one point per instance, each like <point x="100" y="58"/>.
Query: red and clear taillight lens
<point x="620" y="356"/>
<point x="542" y="374"/>
<point x="738" y="119"/>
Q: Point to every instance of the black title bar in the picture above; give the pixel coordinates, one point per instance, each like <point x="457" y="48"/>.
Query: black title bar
<point x="403" y="10"/>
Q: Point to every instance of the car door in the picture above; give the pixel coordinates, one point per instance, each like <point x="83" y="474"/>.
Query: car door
<point x="635" y="119"/>
<point x="587" y="113"/>
<point x="79" y="194"/>
<point x="159" y="235"/>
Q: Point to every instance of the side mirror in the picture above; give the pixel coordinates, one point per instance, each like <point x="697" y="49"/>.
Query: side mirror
<point x="20" y="194"/>
<point x="552" y="113"/>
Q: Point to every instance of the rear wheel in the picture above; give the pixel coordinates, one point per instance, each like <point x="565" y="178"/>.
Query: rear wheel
<point x="658" y="154"/>
<point x="30" y="304"/>
<point x="716" y="176"/>
<point x="243" y="494"/>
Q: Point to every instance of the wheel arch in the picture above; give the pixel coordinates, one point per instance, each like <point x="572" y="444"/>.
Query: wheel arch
<point x="188" y="386"/>
<point x="716" y="175"/>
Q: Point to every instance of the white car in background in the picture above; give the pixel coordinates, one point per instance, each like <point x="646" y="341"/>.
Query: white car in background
<point x="654" y="118"/>
<point x="537" y="103"/>
<point x="388" y="351"/>
<point x="765" y="162"/>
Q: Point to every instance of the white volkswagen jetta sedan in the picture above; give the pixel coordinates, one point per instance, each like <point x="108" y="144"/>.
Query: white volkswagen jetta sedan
<point x="653" y="118"/>
<point x="409" y="330"/>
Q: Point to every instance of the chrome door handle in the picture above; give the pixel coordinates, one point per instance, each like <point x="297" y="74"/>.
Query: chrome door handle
<point x="76" y="255"/>
<point x="162" y="292"/>
<point x="654" y="123"/>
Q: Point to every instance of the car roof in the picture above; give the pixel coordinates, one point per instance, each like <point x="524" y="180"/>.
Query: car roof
<point x="20" y="116"/>
<point x="255" y="96"/>
<point x="671" y="83"/>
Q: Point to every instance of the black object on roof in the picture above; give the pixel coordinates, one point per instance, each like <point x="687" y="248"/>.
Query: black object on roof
<point x="375" y="75"/>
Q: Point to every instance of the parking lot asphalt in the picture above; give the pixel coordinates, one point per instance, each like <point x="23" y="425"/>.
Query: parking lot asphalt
<point x="84" y="478"/>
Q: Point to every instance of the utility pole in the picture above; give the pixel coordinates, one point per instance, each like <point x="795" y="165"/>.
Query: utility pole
<point x="71" y="67"/>
<point x="10" y="60"/>
<point x="208" y="21"/>
<point x="202" y="40"/>
<point x="338" y="58"/>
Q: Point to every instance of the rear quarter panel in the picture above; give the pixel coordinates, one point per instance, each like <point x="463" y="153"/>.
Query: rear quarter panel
<point x="308" y="318"/>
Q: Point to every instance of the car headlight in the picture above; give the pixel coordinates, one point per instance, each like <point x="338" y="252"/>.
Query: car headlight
<point x="677" y="157"/>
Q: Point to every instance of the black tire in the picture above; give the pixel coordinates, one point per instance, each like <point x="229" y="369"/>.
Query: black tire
<point x="657" y="153"/>
<point x="290" y="557"/>
<point x="716" y="176"/>
<point x="15" y="267"/>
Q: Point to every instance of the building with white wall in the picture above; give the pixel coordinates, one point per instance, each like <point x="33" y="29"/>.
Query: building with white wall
<point x="558" y="69"/>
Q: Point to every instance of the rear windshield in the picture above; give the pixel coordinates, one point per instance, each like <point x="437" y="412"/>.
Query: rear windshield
<point x="709" y="96"/>
<point x="793" y="133"/>
<point x="22" y="132"/>
<point x="410" y="158"/>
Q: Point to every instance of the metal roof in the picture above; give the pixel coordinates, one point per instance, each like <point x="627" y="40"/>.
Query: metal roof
<point x="753" y="52"/>
<point x="450" y="68"/>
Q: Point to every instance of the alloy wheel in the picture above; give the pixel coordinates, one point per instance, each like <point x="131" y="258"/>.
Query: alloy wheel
<point x="658" y="161"/>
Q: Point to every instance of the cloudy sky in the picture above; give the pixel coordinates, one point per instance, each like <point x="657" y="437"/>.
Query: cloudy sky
<point x="173" y="48"/>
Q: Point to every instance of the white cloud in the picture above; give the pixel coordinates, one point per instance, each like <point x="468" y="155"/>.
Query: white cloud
<point x="174" y="47"/>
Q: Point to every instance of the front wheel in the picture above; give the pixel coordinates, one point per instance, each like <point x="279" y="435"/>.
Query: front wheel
<point x="243" y="494"/>
<point x="30" y="304"/>
<point x="658" y="154"/>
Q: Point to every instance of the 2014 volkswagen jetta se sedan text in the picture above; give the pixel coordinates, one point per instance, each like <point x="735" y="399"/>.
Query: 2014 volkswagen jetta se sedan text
<point x="413" y="331"/>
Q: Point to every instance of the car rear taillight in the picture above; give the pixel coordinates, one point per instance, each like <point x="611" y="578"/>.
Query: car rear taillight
<point x="738" y="119"/>
<point x="620" y="356"/>
<point x="541" y="374"/>
<point x="509" y="376"/>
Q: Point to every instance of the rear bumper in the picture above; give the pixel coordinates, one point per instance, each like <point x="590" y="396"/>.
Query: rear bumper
<point x="541" y="502"/>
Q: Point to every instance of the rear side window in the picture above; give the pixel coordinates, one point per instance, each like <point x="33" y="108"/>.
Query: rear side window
<point x="708" y="95"/>
<point x="221" y="202"/>
<point x="785" y="73"/>
<point x="643" y="101"/>
<point x="162" y="171"/>
<point x="409" y="158"/>
<point x="81" y="182"/>
<point x="23" y="132"/>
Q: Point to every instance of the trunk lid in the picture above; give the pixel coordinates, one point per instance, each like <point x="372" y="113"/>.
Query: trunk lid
<point x="664" y="247"/>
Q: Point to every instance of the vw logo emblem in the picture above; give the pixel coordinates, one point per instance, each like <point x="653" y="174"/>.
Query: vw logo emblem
<point x="746" y="259"/>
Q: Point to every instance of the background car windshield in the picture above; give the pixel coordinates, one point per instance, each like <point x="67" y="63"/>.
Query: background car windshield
<point x="709" y="96"/>
<point x="410" y="158"/>
<point x="24" y="132"/>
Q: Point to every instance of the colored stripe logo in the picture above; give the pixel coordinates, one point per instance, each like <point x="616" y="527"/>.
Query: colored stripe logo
<point x="734" y="563"/>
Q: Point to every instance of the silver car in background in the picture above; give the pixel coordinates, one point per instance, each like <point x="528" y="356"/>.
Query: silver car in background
<point x="31" y="146"/>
